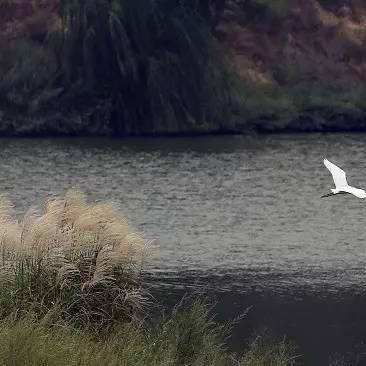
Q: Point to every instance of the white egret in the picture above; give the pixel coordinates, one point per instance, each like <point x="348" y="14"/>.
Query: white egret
<point x="340" y="182"/>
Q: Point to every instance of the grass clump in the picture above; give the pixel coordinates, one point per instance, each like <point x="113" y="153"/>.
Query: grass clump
<point x="80" y="258"/>
<point x="264" y="351"/>
<point x="189" y="336"/>
<point x="71" y="294"/>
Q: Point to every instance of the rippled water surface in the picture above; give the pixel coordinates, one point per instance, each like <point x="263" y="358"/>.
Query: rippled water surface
<point x="240" y="215"/>
<point x="235" y="206"/>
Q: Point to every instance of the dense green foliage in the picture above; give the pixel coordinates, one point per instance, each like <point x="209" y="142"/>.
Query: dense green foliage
<point x="306" y="107"/>
<point x="127" y="66"/>
<point x="134" y="67"/>
<point x="188" y="336"/>
<point x="155" y="64"/>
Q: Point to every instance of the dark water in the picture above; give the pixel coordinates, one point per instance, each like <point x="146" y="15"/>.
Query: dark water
<point x="240" y="216"/>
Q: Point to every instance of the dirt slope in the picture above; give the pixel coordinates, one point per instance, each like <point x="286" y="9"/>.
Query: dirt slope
<point x="303" y="41"/>
<point x="299" y="41"/>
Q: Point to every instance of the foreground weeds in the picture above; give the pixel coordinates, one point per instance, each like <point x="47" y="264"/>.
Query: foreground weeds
<point x="71" y="294"/>
<point x="187" y="337"/>
<point x="263" y="350"/>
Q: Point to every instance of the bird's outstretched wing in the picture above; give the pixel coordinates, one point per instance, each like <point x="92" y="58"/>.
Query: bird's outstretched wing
<point x="339" y="176"/>
<point x="360" y="193"/>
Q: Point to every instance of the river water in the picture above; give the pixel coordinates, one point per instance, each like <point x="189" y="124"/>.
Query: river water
<point x="240" y="216"/>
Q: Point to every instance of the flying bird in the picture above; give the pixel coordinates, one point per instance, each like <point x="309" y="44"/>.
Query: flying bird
<point x="340" y="182"/>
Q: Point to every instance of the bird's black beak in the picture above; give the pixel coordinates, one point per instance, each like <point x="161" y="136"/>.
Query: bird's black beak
<point x="327" y="195"/>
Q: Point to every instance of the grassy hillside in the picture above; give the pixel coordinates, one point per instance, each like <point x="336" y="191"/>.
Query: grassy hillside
<point x="303" y="62"/>
<point x="181" y="67"/>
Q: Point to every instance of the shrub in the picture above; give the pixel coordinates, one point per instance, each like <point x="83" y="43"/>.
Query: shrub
<point x="82" y="259"/>
<point x="154" y="63"/>
<point x="26" y="79"/>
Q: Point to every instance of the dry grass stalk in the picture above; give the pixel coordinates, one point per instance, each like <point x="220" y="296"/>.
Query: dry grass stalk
<point x="84" y="257"/>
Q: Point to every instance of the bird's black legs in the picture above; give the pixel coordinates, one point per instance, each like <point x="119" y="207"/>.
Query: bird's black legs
<point x="327" y="195"/>
<point x="334" y="194"/>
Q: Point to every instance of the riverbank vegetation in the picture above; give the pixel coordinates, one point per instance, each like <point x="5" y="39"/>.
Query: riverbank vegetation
<point x="120" y="67"/>
<point x="142" y="67"/>
<point x="72" y="293"/>
<point x="302" y="63"/>
<point x="176" y="341"/>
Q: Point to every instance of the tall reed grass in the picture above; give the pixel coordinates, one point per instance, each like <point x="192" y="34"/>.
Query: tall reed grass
<point x="71" y="294"/>
<point x="80" y="258"/>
